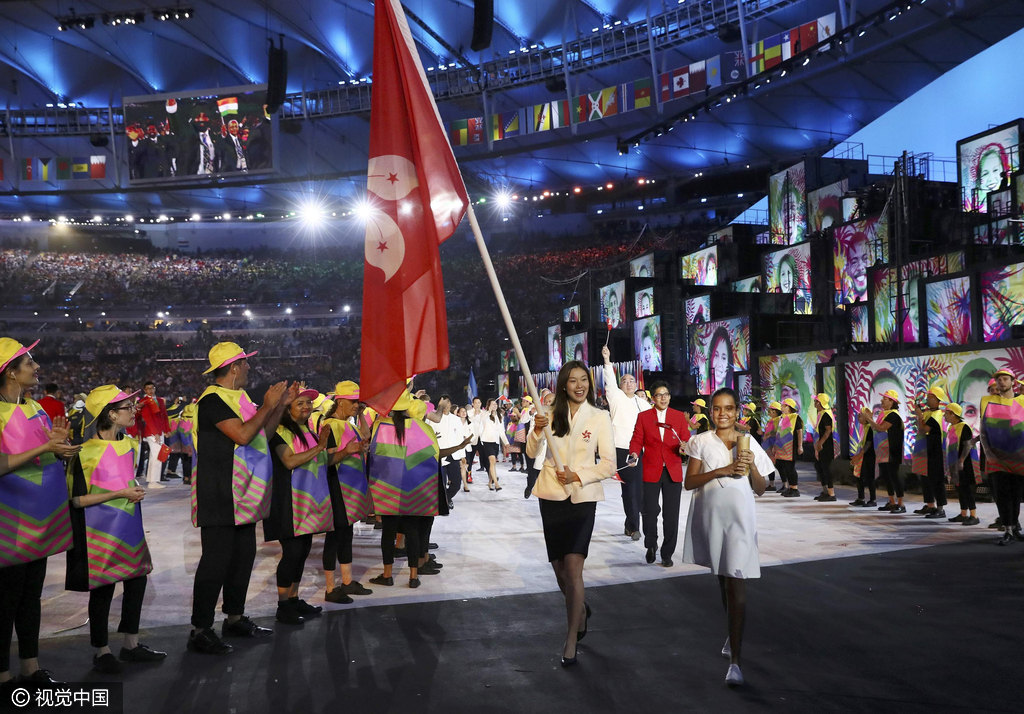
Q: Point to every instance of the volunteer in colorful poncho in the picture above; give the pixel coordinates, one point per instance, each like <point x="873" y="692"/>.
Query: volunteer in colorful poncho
<point x="748" y="422"/>
<point x="789" y="443"/>
<point x="771" y="435"/>
<point x="887" y="434"/>
<point x="927" y="458"/>
<point x="1002" y="437"/>
<point x="34" y="518"/>
<point x="403" y="464"/>
<point x="961" y="463"/>
<point x="300" y="505"/>
<point x="862" y="460"/>
<point x="185" y="424"/>
<point x="824" y="447"/>
<point x="173" y="438"/>
<point x="350" y="493"/>
<point x="699" y="422"/>
<point x="231" y="492"/>
<point x="106" y="517"/>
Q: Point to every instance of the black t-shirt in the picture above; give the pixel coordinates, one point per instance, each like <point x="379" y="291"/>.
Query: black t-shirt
<point x="828" y="448"/>
<point x="895" y="435"/>
<point x="216" y="453"/>
<point x="967" y="475"/>
<point x="755" y="430"/>
<point x="703" y="423"/>
<point x="278" y="524"/>
<point x="934" y="444"/>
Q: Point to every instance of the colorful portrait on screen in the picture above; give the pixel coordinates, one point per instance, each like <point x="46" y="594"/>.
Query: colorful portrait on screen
<point x="571" y="314"/>
<point x="788" y="270"/>
<point x="576" y="348"/>
<point x="984" y="161"/>
<point x="717" y="351"/>
<point x="883" y="297"/>
<point x="856" y="247"/>
<point x="555" y="347"/>
<point x="642" y="267"/>
<point x="509" y="361"/>
<point x="859" y="323"/>
<point x="613" y="304"/>
<point x="698" y="309"/>
<point x="825" y="206"/>
<point x="745" y="387"/>
<point x="747" y="285"/>
<point x="647" y="342"/>
<point x="643" y="302"/>
<point x="948" y="305"/>
<point x="787" y="206"/>
<point x="910" y="295"/>
<point x="793" y="376"/>
<point x="503" y="385"/>
<point x="1002" y="301"/>
<point x="701" y="267"/>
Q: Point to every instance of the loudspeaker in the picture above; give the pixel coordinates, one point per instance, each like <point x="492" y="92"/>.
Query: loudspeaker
<point x="99" y="140"/>
<point x="277" y="76"/>
<point x="555" y="84"/>
<point x="483" y="24"/>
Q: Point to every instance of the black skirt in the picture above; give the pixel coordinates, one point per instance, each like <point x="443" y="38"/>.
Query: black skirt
<point x="567" y="527"/>
<point x="487" y="449"/>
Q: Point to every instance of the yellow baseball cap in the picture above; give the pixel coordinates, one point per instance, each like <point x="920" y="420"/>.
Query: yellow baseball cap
<point x="1007" y="372"/>
<point x="955" y="408"/>
<point x="528" y="398"/>
<point x="699" y="403"/>
<point x="790" y="402"/>
<point x="346" y="390"/>
<point x="940" y="394"/>
<point x="102" y="396"/>
<point x="891" y="394"/>
<point x="776" y="406"/>
<point x="224" y="353"/>
<point x="824" y="400"/>
<point x="752" y="407"/>
<point x="11" y="349"/>
<point x="404" y="402"/>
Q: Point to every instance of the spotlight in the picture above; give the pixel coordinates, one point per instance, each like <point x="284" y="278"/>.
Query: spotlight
<point x="227" y="216"/>
<point x="196" y="217"/>
<point x="363" y="210"/>
<point x="346" y="308"/>
<point x="26" y="218"/>
<point x="577" y="190"/>
<point x="247" y="313"/>
<point x="807" y="61"/>
<point x="783" y="74"/>
<point x="287" y="311"/>
<point x="97" y="219"/>
<point x="161" y="218"/>
<point x="609" y="186"/>
<point x="311" y="214"/>
<point x="503" y="199"/>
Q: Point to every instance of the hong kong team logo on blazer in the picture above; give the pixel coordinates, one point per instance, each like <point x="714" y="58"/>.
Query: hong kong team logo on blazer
<point x="586" y="436"/>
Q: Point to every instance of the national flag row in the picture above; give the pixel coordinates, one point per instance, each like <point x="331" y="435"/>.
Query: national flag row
<point x="60" y="168"/>
<point x="593" y="106"/>
<point x="774" y="50"/>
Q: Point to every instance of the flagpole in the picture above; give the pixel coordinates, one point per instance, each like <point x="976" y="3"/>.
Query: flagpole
<point x="513" y="335"/>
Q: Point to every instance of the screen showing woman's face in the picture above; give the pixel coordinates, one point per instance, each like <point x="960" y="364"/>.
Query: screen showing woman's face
<point x="720" y="364"/>
<point x="789" y="391"/>
<point x="648" y="354"/>
<point x="857" y="267"/>
<point x="786" y="277"/>
<point x="989" y="173"/>
<point x="712" y="274"/>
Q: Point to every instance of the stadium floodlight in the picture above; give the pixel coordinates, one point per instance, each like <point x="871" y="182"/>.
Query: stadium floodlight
<point x="503" y="199"/>
<point x="161" y="218"/>
<point x="27" y="219"/>
<point x="287" y="311"/>
<point x="247" y="313"/>
<point x="227" y="216"/>
<point x="196" y="217"/>
<point x="97" y="219"/>
<point x="363" y="210"/>
<point x="609" y="186"/>
<point x="129" y="218"/>
<point x="346" y="308"/>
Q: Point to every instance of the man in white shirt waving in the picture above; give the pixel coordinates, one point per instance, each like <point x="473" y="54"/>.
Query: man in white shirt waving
<point x="450" y="434"/>
<point x="625" y="407"/>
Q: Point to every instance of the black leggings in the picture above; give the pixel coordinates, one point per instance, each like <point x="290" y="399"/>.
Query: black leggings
<point x="787" y="472"/>
<point x="417" y="533"/>
<point x="867" y="477"/>
<point x="337" y="548"/>
<point x="21" y="587"/>
<point x="965" y="490"/>
<point x="1009" y="497"/>
<point x="891" y="478"/>
<point x="294" y="552"/>
<point x="824" y="469"/>
<point x="517" y="459"/>
<point x="131" y="609"/>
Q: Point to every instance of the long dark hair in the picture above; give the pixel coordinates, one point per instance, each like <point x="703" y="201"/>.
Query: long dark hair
<point x="720" y="335"/>
<point x="560" y="418"/>
<point x="398" y="419"/>
<point x="496" y="416"/>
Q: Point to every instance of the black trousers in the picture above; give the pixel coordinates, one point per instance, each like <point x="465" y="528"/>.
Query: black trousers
<point x="1008" y="497"/>
<point x="531" y="477"/>
<point x="867" y="477"/>
<point x="470" y="456"/>
<point x="824" y="469"/>
<point x="891" y="478"/>
<point x="337" y="548"/>
<point x="670" y="493"/>
<point x="21" y="587"/>
<point x="131" y="609"/>
<point x="294" y="552"/>
<point x="453" y="471"/>
<point x="226" y="563"/>
<point x="632" y="489"/>
<point x="787" y="472"/>
<point x="937" y="485"/>
<point x="965" y="491"/>
<point x="414" y="527"/>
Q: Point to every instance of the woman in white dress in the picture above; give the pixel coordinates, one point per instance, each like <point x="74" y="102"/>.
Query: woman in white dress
<point x="721" y="529"/>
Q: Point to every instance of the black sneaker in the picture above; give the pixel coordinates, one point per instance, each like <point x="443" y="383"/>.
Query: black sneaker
<point x="305" y="609"/>
<point x="651" y="554"/>
<point x="958" y="519"/>
<point x="338" y="596"/>
<point x="898" y="509"/>
<point x="996" y="524"/>
<point x="414" y="582"/>
<point x="870" y="504"/>
<point x="1017" y="534"/>
<point x="433" y="546"/>
<point x="288" y="614"/>
<point x="859" y="502"/>
<point x="141" y="653"/>
<point x="428" y="568"/>
<point x="244" y="627"/>
<point x="355" y="588"/>
<point x="1006" y="539"/>
<point x="107" y="664"/>
<point x="887" y="507"/>
<point x="792" y="493"/>
<point x="924" y="510"/>
<point x="970" y="521"/>
<point x="207" y="642"/>
<point x="937" y="513"/>
<point x="378" y="526"/>
<point x="381" y="580"/>
<point x="770" y="487"/>
<point x="827" y="499"/>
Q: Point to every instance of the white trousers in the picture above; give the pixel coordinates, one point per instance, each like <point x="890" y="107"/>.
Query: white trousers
<point x="153" y="470"/>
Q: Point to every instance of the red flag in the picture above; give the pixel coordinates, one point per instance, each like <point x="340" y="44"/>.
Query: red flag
<point x="417" y="198"/>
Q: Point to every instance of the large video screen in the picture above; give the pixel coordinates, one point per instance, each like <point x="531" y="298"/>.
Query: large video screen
<point x="883" y="296"/>
<point x="910" y="296"/>
<point x="982" y="162"/>
<point x="859" y="331"/>
<point x="554" y="347"/>
<point x="643" y="302"/>
<point x="948" y="311"/>
<point x="747" y="285"/>
<point x="503" y="385"/>
<point x="647" y="341"/>
<point x="700" y="267"/>
<point x="745" y="387"/>
<point x="613" y="304"/>
<point x="509" y="361"/>
<point x="717" y="351"/>
<point x="788" y="270"/>
<point x="857" y="246"/>
<point x="698" y="309"/>
<point x="825" y="206"/>
<point x="792" y="376"/>
<point x="964" y="376"/>
<point x="787" y="206"/>
<point x="215" y="132"/>
<point x="576" y="348"/>
<point x="1002" y="301"/>
<point x="642" y="267"/>
<point x="571" y="314"/>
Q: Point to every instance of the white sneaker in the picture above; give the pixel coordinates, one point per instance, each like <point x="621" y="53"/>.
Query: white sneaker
<point x="734" y="677"/>
<point x="154" y="484"/>
<point x="727" y="649"/>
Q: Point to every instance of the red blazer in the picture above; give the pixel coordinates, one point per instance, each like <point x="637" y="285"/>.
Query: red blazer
<point x="53" y="407"/>
<point x="154" y="416"/>
<point x="659" y="446"/>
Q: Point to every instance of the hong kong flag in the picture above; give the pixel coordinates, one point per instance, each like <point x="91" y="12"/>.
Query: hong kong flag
<point x="416" y="198"/>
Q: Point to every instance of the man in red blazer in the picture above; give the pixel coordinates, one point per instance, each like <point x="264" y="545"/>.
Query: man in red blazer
<point x="155" y="428"/>
<point x="661" y="434"/>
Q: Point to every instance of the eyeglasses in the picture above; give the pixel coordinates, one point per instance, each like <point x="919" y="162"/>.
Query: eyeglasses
<point x="133" y="407"/>
<point x="662" y="395"/>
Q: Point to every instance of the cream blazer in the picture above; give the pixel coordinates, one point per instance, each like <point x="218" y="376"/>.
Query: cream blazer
<point x="590" y="436"/>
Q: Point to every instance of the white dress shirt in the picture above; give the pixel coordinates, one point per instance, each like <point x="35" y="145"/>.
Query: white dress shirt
<point x="624" y="410"/>
<point x="492" y="432"/>
<point x="450" y="432"/>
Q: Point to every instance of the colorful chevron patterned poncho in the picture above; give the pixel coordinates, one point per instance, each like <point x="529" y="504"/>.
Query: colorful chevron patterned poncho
<point x="112" y="542"/>
<point x="251" y="469"/>
<point x="784" y="437"/>
<point x="953" y="434"/>
<point x="919" y="459"/>
<point x="403" y="476"/>
<point x="881" y="440"/>
<point x="355" y="489"/>
<point x="34" y="518"/>
<point x="1002" y="434"/>
<point x="312" y="511"/>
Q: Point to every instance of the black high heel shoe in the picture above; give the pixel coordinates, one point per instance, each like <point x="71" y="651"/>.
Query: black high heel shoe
<point x="586" y="623"/>
<point x="568" y="661"/>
